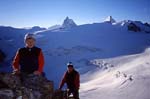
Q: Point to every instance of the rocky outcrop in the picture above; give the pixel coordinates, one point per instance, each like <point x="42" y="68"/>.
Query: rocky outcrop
<point x="147" y="24"/>
<point x="133" y="27"/>
<point x="68" y="23"/>
<point x="110" y="19"/>
<point x="32" y="87"/>
<point x="138" y="26"/>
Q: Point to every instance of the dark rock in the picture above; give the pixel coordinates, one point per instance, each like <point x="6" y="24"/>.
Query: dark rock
<point x="146" y="24"/>
<point x="133" y="27"/>
<point x="6" y="94"/>
<point x="33" y="87"/>
<point x="60" y="94"/>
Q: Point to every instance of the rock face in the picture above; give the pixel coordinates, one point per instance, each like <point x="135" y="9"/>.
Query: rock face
<point x="33" y="87"/>
<point x="147" y="24"/>
<point x="133" y="27"/>
<point x="109" y="19"/>
<point x="68" y="23"/>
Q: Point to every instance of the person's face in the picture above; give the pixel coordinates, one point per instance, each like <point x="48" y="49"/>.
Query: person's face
<point x="30" y="42"/>
<point x="70" y="69"/>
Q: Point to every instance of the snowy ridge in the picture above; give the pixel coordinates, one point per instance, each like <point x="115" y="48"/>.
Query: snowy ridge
<point x="54" y="27"/>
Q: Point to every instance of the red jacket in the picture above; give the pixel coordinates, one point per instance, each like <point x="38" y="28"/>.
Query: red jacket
<point x="16" y="61"/>
<point x="71" y="79"/>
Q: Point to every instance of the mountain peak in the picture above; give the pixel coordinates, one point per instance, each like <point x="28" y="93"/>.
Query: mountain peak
<point x="110" y="19"/>
<point x="68" y="23"/>
<point x="67" y="18"/>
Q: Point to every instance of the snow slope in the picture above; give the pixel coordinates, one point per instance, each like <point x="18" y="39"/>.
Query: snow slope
<point x="130" y="79"/>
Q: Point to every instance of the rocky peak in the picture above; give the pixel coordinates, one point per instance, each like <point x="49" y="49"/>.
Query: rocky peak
<point x="110" y="19"/>
<point x="68" y="23"/>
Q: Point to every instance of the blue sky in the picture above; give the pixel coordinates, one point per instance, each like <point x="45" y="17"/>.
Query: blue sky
<point x="45" y="13"/>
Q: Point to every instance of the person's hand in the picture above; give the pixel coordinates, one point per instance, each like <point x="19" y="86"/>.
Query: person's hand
<point x="37" y="73"/>
<point x="16" y="72"/>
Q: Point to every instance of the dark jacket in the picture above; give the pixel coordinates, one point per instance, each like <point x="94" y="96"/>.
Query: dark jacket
<point x="29" y="60"/>
<point x="71" y="79"/>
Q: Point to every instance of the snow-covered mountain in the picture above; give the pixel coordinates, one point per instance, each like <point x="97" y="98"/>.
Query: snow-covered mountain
<point x="102" y="53"/>
<point x="68" y="23"/>
<point x="109" y="19"/>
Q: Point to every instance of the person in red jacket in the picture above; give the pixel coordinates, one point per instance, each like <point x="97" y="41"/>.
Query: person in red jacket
<point x="72" y="79"/>
<point x="29" y="59"/>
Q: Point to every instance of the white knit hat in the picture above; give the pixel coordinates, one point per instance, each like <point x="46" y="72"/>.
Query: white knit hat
<point x="29" y="36"/>
<point x="69" y="64"/>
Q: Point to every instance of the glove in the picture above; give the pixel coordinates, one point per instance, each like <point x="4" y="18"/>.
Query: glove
<point x="37" y="73"/>
<point x="16" y="72"/>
